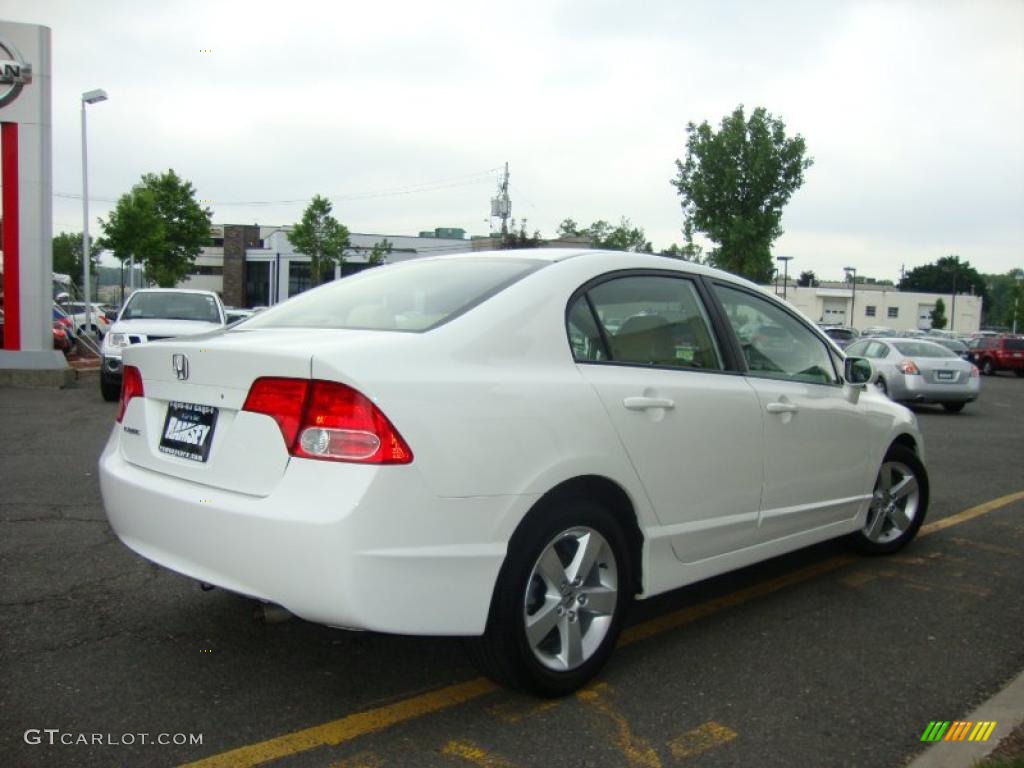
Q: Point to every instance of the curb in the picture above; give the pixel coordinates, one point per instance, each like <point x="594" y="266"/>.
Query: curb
<point x="1006" y="708"/>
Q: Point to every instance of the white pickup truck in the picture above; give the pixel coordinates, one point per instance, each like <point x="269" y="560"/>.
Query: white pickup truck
<point x="151" y="314"/>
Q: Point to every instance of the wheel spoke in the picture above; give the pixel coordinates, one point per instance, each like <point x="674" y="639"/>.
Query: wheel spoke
<point x="875" y="530"/>
<point x="586" y="555"/>
<point x="551" y="570"/>
<point x="899" y="518"/>
<point x="885" y="477"/>
<point x="572" y="644"/>
<point x="540" y="624"/>
<point x="904" y="487"/>
<point x="600" y="601"/>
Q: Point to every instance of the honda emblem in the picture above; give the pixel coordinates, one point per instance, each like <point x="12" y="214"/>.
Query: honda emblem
<point x="180" y="363"/>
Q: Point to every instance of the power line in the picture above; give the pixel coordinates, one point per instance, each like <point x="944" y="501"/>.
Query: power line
<point x="409" y="189"/>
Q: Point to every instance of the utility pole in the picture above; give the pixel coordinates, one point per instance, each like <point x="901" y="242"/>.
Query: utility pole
<point x="501" y="206"/>
<point x="785" y="279"/>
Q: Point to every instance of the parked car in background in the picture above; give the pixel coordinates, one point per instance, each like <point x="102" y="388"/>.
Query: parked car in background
<point x="954" y="345"/>
<point x="237" y="315"/>
<point x="151" y="314"/>
<point x="842" y="335"/>
<point x="76" y="311"/>
<point x="61" y="340"/>
<point x="876" y="330"/>
<point x="997" y="353"/>
<point x="920" y="371"/>
<point x="461" y="445"/>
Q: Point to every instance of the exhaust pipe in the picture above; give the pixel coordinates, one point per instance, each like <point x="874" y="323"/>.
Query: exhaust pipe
<point x="269" y="613"/>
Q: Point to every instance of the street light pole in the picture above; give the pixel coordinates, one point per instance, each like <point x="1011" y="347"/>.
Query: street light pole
<point x="853" y="299"/>
<point x="89" y="97"/>
<point x="785" y="279"/>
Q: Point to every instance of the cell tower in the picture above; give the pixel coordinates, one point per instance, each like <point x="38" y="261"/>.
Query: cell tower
<point x="501" y="206"/>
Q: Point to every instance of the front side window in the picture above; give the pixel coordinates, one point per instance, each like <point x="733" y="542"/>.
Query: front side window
<point x="775" y="344"/>
<point x="643" y="320"/>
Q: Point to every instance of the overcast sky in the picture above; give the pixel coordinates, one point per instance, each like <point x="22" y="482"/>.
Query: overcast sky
<point x="402" y="112"/>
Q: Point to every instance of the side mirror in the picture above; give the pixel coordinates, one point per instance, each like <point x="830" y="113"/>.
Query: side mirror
<point x="858" y="371"/>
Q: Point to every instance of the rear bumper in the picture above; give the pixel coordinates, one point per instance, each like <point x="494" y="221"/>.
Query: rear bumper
<point x="913" y="389"/>
<point x="356" y="547"/>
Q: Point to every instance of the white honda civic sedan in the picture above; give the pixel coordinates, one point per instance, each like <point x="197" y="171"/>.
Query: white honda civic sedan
<point x="509" y="446"/>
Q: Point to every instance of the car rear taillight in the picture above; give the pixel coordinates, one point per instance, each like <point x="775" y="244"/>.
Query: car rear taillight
<point x="908" y="367"/>
<point x="974" y="372"/>
<point x="131" y="386"/>
<point x="327" y="420"/>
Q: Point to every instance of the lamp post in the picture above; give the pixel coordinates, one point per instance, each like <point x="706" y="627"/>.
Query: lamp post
<point x="89" y="97"/>
<point x="1016" y="298"/>
<point x="853" y="298"/>
<point x="785" y="268"/>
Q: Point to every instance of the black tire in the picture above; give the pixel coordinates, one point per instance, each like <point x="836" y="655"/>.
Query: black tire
<point x="1019" y="373"/>
<point x="890" y="536"/>
<point x="110" y="388"/>
<point x="882" y="386"/>
<point x="954" y="407"/>
<point x="505" y="653"/>
<point x="987" y="367"/>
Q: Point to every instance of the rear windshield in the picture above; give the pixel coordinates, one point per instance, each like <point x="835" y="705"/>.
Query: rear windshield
<point x="171" y="306"/>
<point x="922" y="349"/>
<point x="1016" y="344"/>
<point x="411" y="296"/>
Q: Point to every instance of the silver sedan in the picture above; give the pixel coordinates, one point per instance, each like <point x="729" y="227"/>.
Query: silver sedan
<point x="919" y="371"/>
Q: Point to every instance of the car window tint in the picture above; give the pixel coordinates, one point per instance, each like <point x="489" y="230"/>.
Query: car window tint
<point x="584" y="336"/>
<point x="656" y="320"/>
<point x="857" y="349"/>
<point x="775" y="344"/>
<point x="1016" y="345"/>
<point x="410" y="296"/>
<point x="922" y="349"/>
<point x="170" y="305"/>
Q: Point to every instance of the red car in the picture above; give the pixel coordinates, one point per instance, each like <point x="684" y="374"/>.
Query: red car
<point x="998" y="353"/>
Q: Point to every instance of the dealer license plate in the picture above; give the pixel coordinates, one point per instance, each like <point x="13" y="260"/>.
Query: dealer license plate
<point x="188" y="430"/>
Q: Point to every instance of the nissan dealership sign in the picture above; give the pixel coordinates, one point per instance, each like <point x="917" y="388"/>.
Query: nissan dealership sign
<point x="15" y="72"/>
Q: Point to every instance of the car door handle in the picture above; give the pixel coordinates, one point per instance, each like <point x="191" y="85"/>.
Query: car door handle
<point x="781" y="408"/>
<point x="646" y="403"/>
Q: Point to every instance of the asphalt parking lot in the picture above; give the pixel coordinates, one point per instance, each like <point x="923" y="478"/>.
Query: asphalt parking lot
<point x="819" y="658"/>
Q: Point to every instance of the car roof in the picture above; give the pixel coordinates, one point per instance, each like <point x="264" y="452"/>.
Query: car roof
<point x="639" y="260"/>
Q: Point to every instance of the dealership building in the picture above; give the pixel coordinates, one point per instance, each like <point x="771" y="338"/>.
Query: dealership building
<point x="880" y="305"/>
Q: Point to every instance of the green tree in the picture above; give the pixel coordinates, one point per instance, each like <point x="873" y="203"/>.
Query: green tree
<point x="379" y="252"/>
<point x="67" y="257"/>
<point x="734" y="184"/>
<point x="602" y="234"/>
<point x="947" y="275"/>
<point x="1005" y="292"/>
<point x="161" y="224"/>
<point x="938" y="314"/>
<point x="520" y="239"/>
<point x="321" y="237"/>
<point x="807" y="279"/>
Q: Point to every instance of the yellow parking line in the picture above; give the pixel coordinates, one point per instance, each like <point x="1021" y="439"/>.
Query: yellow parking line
<point x="470" y="752"/>
<point x="373" y="720"/>
<point x="348" y="728"/>
<point x="699" y="740"/>
<point x="970" y="514"/>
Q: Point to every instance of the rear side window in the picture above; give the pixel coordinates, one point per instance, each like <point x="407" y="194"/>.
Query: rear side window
<point x="651" y="320"/>
<point x="412" y="296"/>
<point x="1016" y="345"/>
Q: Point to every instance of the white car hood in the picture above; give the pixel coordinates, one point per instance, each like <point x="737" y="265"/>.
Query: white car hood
<point x="157" y="327"/>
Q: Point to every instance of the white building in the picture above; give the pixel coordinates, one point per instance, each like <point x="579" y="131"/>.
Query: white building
<point x="872" y="304"/>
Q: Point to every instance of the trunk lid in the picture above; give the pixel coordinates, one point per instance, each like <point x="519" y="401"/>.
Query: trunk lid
<point x="190" y="424"/>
